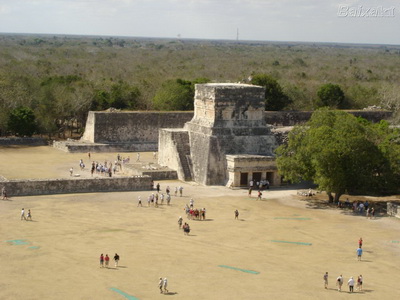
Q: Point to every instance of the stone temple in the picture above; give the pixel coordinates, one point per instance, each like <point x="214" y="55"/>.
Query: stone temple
<point x="227" y="142"/>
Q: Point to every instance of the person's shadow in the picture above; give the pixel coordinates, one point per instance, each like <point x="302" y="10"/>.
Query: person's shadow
<point x="170" y="293"/>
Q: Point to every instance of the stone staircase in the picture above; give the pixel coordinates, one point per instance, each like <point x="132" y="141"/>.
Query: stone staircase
<point x="183" y="149"/>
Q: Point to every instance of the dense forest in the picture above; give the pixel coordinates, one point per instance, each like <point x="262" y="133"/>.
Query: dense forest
<point x="49" y="83"/>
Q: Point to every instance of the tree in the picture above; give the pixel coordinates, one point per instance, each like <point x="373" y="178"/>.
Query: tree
<point x="22" y="122"/>
<point x="331" y="95"/>
<point x="339" y="153"/>
<point x="176" y="94"/>
<point x="275" y="99"/>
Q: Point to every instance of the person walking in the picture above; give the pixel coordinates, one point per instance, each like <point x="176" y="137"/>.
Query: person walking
<point x="101" y="260"/>
<point x="180" y="190"/>
<point x="107" y="260"/>
<point x="360" y="242"/>
<point x="29" y="215"/>
<point x="180" y="220"/>
<point x="259" y="195"/>
<point x="139" y="201"/>
<point x="160" y="285"/>
<point x="236" y="214"/>
<point x="165" y="285"/>
<point x="359" y="283"/>
<point x="116" y="259"/>
<point x="326" y="280"/>
<point x="359" y="253"/>
<point x="350" y="283"/>
<point x="23" y="214"/>
<point x="4" y="193"/>
<point x="339" y="282"/>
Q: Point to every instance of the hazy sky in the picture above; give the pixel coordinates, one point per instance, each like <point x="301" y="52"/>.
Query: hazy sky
<point x="350" y="21"/>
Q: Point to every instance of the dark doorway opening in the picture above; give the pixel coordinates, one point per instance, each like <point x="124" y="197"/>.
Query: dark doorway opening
<point x="256" y="177"/>
<point x="270" y="177"/>
<point x="244" y="179"/>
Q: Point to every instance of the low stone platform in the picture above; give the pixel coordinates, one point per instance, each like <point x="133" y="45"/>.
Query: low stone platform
<point x="155" y="171"/>
<point x="76" y="185"/>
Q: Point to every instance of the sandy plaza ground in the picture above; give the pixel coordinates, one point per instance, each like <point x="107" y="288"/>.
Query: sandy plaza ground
<point x="279" y="248"/>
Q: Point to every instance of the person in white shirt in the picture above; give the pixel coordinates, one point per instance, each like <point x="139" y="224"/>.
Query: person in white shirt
<point x="339" y="283"/>
<point x="350" y="283"/>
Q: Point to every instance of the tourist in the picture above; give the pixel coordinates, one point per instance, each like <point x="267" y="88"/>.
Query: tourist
<point x="158" y="187"/>
<point x="116" y="259"/>
<point x="167" y="189"/>
<point x="165" y="285"/>
<point x="160" y="285"/>
<point x="204" y="213"/>
<point x="176" y="191"/>
<point x="259" y="195"/>
<point x="162" y="198"/>
<point x="350" y="283"/>
<point x="359" y="283"/>
<point x="168" y="199"/>
<point x="154" y="155"/>
<point x="359" y="253"/>
<point x="148" y="200"/>
<point x="180" y="222"/>
<point x="360" y="242"/>
<point x="138" y="156"/>
<point x="191" y="202"/>
<point x="372" y="216"/>
<point x="139" y="201"/>
<point x="71" y="171"/>
<point x="4" y="193"/>
<point x="339" y="283"/>
<point x="250" y="190"/>
<point x="23" y="214"/>
<point x="107" y="260"/>
<point x="236" y="214"/>
<point x="326" y="280"/>
<point x="186" y="229"/>
<point x="89" y="155"/>
<point x="101" y="260"/>
<point x="29" y="215"/>
<point x="180" y="190"/>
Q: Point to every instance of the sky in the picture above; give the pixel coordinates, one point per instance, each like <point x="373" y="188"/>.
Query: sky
<point x="341" y="21"/>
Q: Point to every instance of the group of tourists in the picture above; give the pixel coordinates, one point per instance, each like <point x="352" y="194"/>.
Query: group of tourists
<point x="185" y="227"/>
<point x="259" y="185"/>
<point x="105" y="260"/>
<point x="351" y="282"/>
<point x="28" y="216"/>
<point x="359" y="207"/>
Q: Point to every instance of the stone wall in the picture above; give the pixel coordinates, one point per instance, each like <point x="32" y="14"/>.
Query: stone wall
<point x="393" y="210"/>
<point x="25" y="141"/>
<point x="76" y="185"/>
<point x="142" y="127"/>
<point x="292" y="118"/>
<point x="131" y="127"/>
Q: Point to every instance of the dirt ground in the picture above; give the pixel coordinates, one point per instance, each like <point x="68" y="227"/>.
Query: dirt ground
<point x="278" y="249"/>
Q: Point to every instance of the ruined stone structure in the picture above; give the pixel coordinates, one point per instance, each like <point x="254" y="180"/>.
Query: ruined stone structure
<point x="228" y="122"/>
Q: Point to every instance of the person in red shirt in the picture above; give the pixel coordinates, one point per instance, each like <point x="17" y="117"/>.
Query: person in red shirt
<point x="107" y="260"/>
<point x="360" y="242"/>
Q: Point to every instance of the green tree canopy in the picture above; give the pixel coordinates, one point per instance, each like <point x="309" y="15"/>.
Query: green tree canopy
<point x="275" y="99"/>
<point x="176" y="94"/>
<point x="341" y="153"/>
<point x="21" y="122"/>
<point x="331" y="95"/>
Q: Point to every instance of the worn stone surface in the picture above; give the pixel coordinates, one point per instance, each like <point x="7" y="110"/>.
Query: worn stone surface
<point x="131" y="127"/>
<point x="228" y="119"/>
<point x="76" y="185"/>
